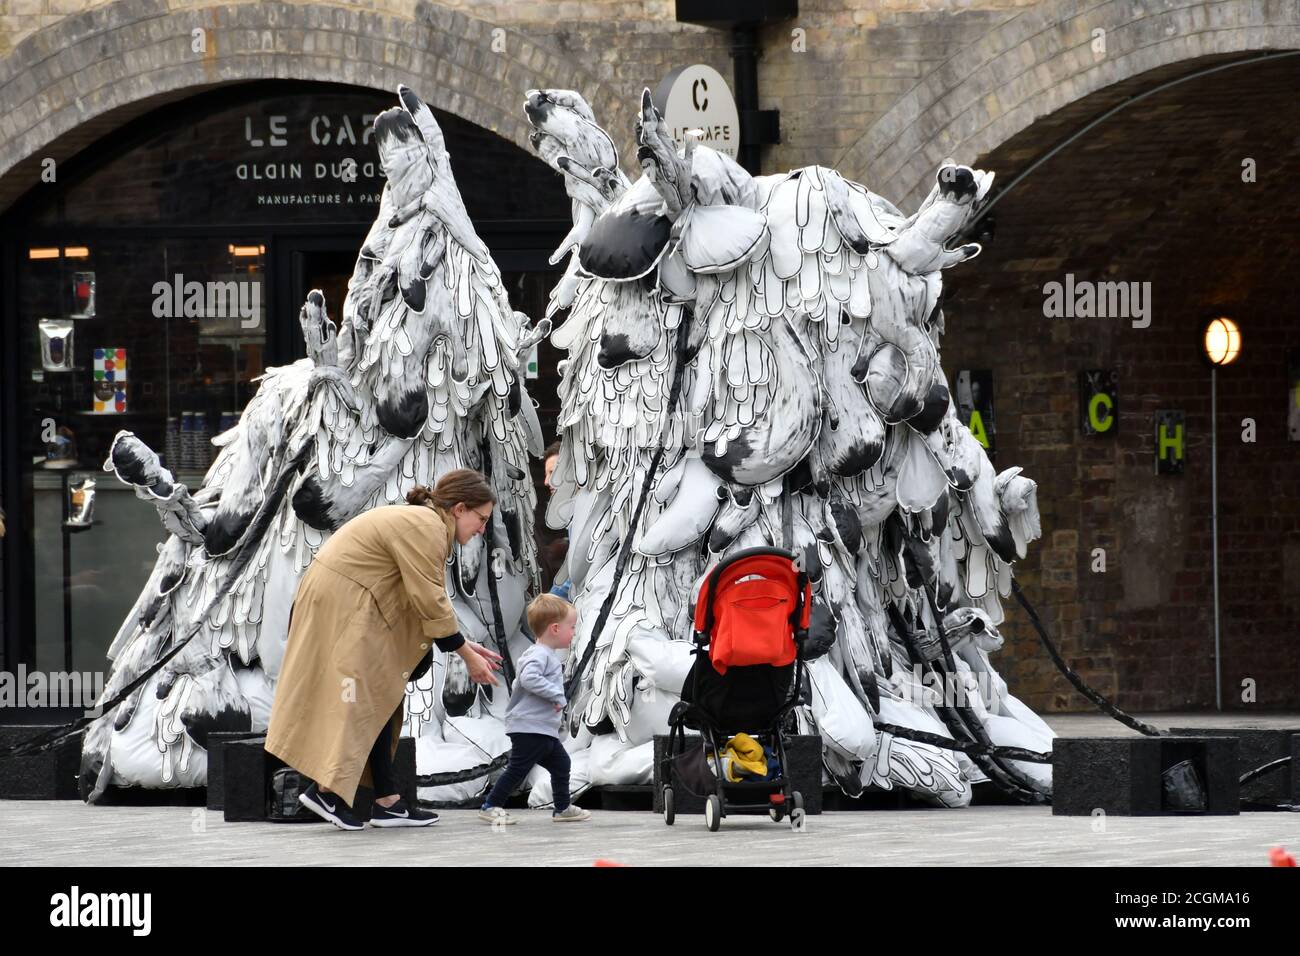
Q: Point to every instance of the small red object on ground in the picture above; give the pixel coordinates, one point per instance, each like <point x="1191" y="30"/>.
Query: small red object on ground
<point x="1280" y="857"/>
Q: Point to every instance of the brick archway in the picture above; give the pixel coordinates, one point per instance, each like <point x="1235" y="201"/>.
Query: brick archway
<point x="1040" y="61"/>
<point x="69" y="84"/>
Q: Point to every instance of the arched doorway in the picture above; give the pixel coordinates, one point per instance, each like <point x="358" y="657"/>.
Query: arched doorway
<point x="254" y="192"/>
<point x="1185" y="198"/>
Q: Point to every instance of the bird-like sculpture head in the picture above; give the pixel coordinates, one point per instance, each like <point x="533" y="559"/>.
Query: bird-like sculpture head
<point x="403" y="155"/>
<point x="567" y="138"/>
<point x="413" y="156"/>
<point x="318" y="330"/>
<point x="658" y="156"/>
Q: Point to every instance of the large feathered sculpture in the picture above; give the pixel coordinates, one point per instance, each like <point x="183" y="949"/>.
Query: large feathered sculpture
<point x="814" y="415"/>
<point x="423" y="375"/>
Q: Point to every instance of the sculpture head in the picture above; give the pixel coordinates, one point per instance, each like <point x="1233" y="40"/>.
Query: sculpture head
<point x="318" y="330"/>
<point x="403" y="155"/>
<point x="566" y="137"/>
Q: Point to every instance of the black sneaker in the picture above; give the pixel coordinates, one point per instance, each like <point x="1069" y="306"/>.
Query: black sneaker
<point x="400" y="815"/>
<point x="330" y="807"/>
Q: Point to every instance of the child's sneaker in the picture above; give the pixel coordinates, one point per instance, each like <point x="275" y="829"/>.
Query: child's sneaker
<point x="571" y="814"/>
<point x="497" y="816"/>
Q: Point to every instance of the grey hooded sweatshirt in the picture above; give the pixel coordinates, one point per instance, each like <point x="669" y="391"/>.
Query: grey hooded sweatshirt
<point x="539" y="686"/>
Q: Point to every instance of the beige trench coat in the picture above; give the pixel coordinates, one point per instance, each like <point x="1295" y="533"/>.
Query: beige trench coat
<point x="367" y="610"/>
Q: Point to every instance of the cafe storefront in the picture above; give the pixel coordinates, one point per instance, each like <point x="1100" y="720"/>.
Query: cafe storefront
<point x="149" y="285"/>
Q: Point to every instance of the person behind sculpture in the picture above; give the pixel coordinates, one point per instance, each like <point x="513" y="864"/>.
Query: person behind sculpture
<point x="534" y="713"/>
<point x="550" y="459"/>
<point x="364" y="616"/>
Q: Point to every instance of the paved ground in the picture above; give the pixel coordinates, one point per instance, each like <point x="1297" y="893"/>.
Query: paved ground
<point x="70" y="833"/>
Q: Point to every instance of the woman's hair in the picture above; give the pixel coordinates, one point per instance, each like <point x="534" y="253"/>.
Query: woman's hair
<point x="464" y="485"/>
<point x="552" y="450"/>
<point x="545" y="610"/>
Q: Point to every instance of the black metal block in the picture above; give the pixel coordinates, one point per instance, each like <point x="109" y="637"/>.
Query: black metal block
<point x="1125" y="775"/>
<point x="804" y="768"/>
<point x="631" y="797"/>
<point x="216" y="763"/>
<point x="51" y="775"/>
<point x="1257" y="746"/>
<point x="245" y="779"/>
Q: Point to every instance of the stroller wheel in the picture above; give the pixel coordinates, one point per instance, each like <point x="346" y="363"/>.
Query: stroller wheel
<point x="670" y="810"/>
<point x="713" y="813"/>
<point x="776" y="812"/>
<point x="796" y="813"/>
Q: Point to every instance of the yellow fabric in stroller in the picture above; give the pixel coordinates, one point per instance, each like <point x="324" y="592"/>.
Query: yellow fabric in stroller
<point x="744" y="753"/>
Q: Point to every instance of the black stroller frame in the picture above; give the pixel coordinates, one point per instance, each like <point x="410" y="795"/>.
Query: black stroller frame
<point x="776" y="798"/>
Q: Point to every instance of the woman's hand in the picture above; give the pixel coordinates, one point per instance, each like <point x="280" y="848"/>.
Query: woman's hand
<point x="480" y="662"/>
<point x="490" y="655"/>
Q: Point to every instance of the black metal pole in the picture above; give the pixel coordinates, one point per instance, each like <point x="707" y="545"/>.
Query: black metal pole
<point x="744" y="54"/>
<point x="66" y="533"/>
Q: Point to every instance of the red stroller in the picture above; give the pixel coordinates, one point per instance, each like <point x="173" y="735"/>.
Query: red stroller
<point x="751" y="620"/>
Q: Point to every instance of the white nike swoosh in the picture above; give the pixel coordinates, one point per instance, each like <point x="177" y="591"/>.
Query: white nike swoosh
<point x="391" y="813"/>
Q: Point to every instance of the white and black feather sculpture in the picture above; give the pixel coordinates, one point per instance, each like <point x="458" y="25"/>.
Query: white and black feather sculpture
<point x="423" y="375"/>
<point x="814" y="416"/>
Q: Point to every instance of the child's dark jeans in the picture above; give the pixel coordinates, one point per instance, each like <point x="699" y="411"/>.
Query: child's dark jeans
<point x="526" y="752"/>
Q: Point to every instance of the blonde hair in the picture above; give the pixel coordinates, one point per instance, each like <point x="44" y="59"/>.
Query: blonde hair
<point x="545" y="610"/>
<point x="464" y="485"/>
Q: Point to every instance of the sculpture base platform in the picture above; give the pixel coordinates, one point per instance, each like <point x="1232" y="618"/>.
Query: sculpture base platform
<point x="48" y="776"/>
<point x="1256" y="747"/>
<point x="247" y="771"/>
<point x="1139" y="776"/>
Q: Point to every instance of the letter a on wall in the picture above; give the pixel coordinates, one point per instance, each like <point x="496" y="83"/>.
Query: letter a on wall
<point x="1098" y="402"/>
<point x="1171" y="440"/>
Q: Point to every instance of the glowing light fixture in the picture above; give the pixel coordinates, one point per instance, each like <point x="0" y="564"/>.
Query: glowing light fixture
<point x="1222" y="341"/>
<point x="247" y="250"/>
<point x="69" y="252"/>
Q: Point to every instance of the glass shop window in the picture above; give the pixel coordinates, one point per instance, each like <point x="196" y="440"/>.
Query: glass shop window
<point x="162" y="338"/>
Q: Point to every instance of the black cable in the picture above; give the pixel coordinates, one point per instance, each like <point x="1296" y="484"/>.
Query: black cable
<point x="51" y="738"/>
<point x="973" y="723"/>
<point x="489" y="542"/>
<point x="1102" y="703"/>
<point x="57" y="735"/>
<point x="967" y="747"/>
<point x="1250" y="775"/>
<point x="956" y="726"/>
<point x="625" y="551"/>
<point x="462" y="776"/>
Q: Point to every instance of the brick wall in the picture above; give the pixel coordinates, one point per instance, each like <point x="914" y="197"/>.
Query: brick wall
<point x="1155" y="194"/>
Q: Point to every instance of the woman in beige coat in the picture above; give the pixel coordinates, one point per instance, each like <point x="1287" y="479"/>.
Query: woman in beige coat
<point x="363" y="621"/>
